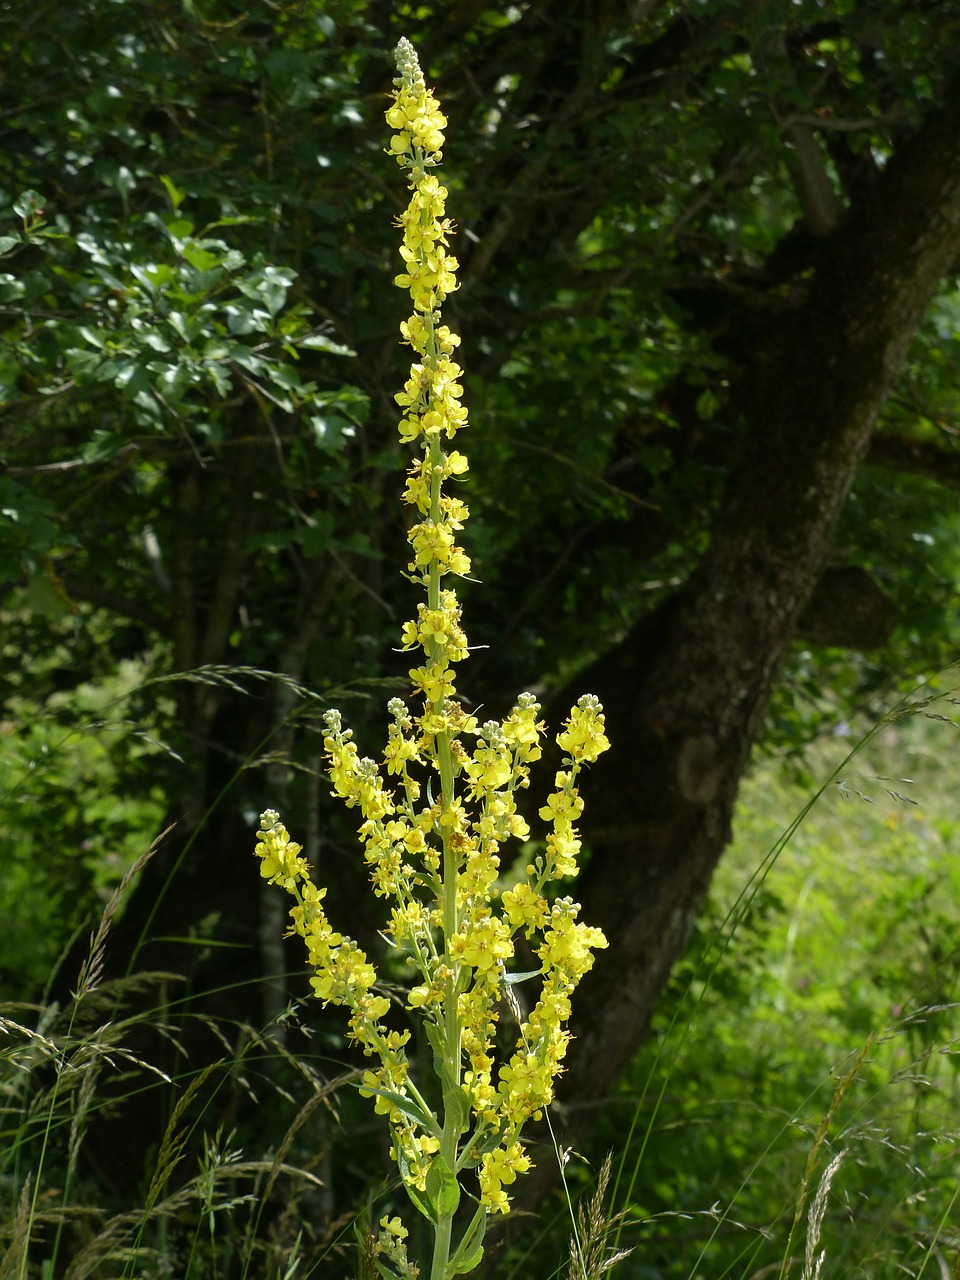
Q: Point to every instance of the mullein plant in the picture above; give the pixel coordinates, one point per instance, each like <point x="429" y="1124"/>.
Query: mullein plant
<point x="436" y="813"/>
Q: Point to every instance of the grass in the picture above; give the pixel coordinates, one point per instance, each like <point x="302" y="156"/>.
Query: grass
<point x="804" y="1102"/>
<point x="203" y="1204"/>
<point x="794" y="1113"/>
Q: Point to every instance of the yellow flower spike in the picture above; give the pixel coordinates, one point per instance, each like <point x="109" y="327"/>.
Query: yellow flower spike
<point x="434" y="815"/>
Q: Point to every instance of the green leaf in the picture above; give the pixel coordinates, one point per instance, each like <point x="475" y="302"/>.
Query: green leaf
<point x="509" y="979"/>
<point x="272" y="540"/>
<point x="242" y="319"/>
<point x="133" y="378"/>
<point x="173" y="380"/>
<point x="106" y="371"/>
<point x="284" y="375"/>
<point x="238" y="221"/>
<point x="330" y="430"/>
<point x="246" y="360"/>
<point x="456" y="1104"/>
<point x="29" y="204"/>
<point x="316" y="539"/>
<point x="201" y="258"/>
<point x="218" y="376"/>
<point x="102" y="445"/>
<point x="407" y="1106"/>
<point x="273" y="295"/>
<point x="469" y="1262"/>
<point x="320" y="342"/>
<point x="282" y="402"/>
<point x="178" y="228"/>
<point x="11" y="288"/>
<point x="443" y="1187"/>
<point x="43" y="597"/>
<point x="268" y="285"/>
<point x="360" y="544"/>
<point x="707" y="404"/>
<point x="386" y="1269"/>
<point x="438" y="1041"/>
<point x="351" y="402"/>
<point x="155" y="276"/>
<point x="480" y="1149"/>
<point x="421" y="1199"/>
<point x="175" y="193"/>
<point x="186" y="327"/>
<point x="124" y="181"/>
<point x="154" y="339"/>
<point x="8" y="242"/>
<point x="96" y="337"/>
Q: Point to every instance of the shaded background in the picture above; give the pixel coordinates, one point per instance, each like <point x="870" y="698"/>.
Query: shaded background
<point x="709" y="316"/>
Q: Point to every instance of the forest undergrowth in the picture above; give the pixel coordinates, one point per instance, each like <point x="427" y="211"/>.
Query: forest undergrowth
<point x="793" y="1112"/>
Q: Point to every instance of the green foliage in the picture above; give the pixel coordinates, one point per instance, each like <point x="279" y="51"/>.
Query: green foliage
<point x="827" y="1032"/>
<point x="195" y="236"/>
<point x="80" y="801"/>
<point x="192" y="159"/>
<point x="846" y="957"/>
<point x="210" y="238"/>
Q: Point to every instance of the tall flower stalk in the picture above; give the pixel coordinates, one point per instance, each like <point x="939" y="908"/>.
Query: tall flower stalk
<point x="436" y="813"/>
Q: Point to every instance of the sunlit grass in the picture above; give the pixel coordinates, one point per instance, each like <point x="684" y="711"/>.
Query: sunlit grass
<point x="824" y="1041"/>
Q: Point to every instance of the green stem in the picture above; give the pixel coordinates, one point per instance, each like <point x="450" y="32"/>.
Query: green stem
<point x="450" y="1134"/>
<point x="442" y="1235"/>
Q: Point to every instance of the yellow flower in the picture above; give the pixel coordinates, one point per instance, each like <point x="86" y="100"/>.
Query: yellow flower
<point x="523" y="730"/>
<point x="567" y="944"/>
<point x="497" y="1167"/>
<point x="491" y="767"/>
<point x="436" y="681"/>
<point x="394" y="1227"/>
<point x="562" y="808"/>
<point x="280" y="856"/>
<point x="583" y="737"/>
<point x="525" y="908"/>
<point x="431" y="542"/>
<point x="455" y="464"/>
<point x="399" y="750"/>
<point x="417" y="492"/>
<point x="484" y="944"/>
<point x="562" y="848"/>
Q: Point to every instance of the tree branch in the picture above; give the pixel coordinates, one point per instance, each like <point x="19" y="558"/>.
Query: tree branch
<point x="104" y="598"/>
<point x="246" y="460"/>
<point x="919" y="457"/>
<point x="847" y="610"/>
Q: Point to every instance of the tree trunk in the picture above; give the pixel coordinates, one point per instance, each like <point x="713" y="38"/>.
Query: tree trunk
<point x="687" y="692"/>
